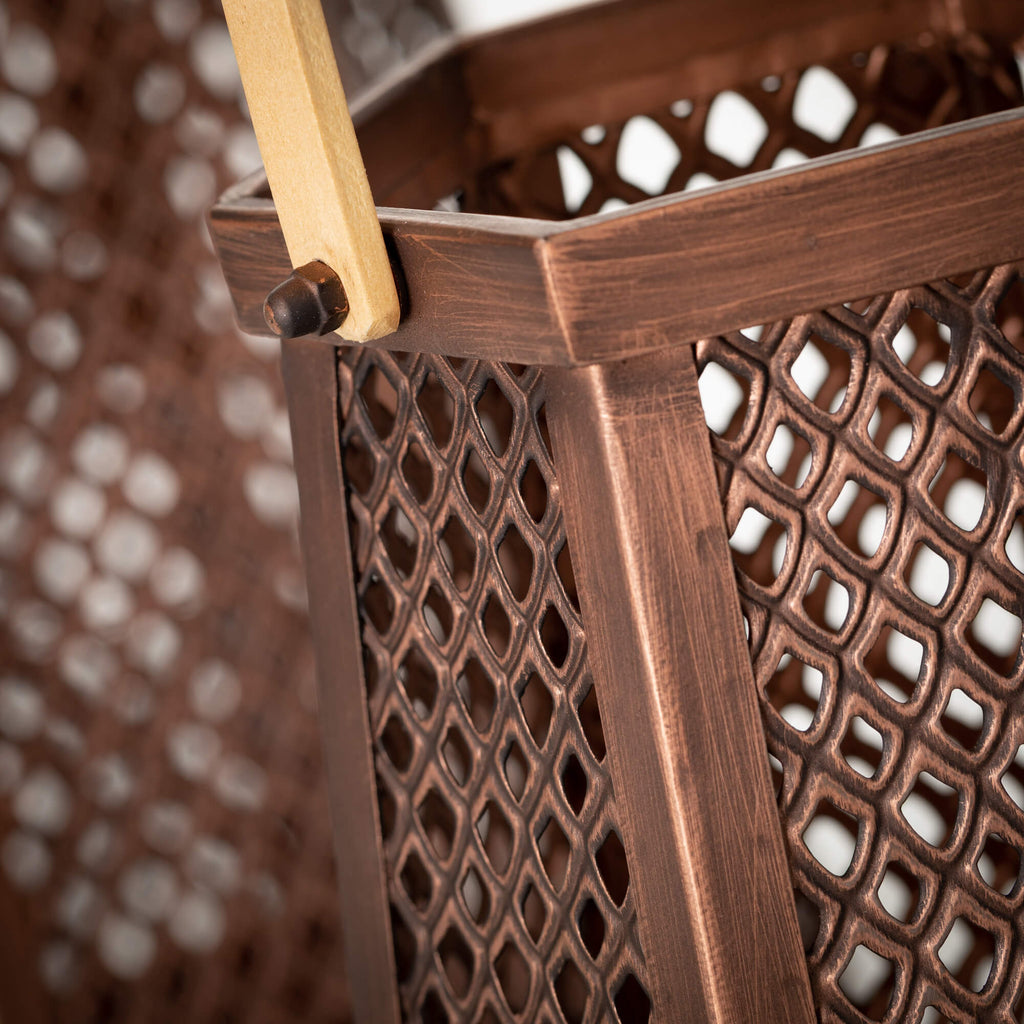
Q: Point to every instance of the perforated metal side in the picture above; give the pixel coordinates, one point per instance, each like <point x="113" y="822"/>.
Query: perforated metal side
<point x="779" y="121"/>
<point x="870" y="467"/>
<point x="871" y="474"/>
<point x="508" y="883"/>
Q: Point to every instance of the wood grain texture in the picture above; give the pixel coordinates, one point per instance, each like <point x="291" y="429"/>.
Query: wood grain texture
<point x="678" y="703"/>
<point x="668" y="272"/>
<point x="311" y="382"/>
<point x="311" y="154"/>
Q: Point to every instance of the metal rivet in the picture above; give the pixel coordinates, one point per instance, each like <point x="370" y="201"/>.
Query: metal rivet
<point x="311" y="301"/>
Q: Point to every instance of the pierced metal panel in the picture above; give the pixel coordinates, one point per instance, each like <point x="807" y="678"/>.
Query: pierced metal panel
<point x="782" y="120"/>
<point x="869" y="462"/>
<point x="508" y="883"/>
<point x="854" y="447"/>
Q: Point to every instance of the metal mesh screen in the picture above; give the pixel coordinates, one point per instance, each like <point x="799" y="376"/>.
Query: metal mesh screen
<point x="870" y="470"/>
<point x="782" y="120"/>
<point x="508" y="882"/>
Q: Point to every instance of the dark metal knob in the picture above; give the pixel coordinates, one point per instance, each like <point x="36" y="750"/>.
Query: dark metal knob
<point x="311" y="301"/>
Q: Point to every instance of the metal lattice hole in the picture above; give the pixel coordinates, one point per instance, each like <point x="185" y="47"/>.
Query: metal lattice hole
<point x="555" y="853"/>
<point x="822" y="373"/>
<point x="397" y="743"/>
<point x="963" y="720"/>
<point x="574" y="784"/>
<point x="437" y="614"/>
<point x="571" y="991"/>
<point x="458" y="552"/>
<point x="475" y="896"/>
<point x="999" y="864"/>
<point x="496" y="837"/>
<point x="437" y="409"/>
<point x="931" y="809"/>
<point x="794" y="690"/>
<point x="859" y="516"/>
<point x="891" y="428"/>
<point x="831" y="837"/>
<point x="537" y="707"/>
<point x="380" y="606"/>
<point x="416" y="882"/>
<point x="899" y="893"/>
<point x="534" y="914"/>
<point x="967" y="952"/>
<point x="400" y="542"/>
<point x="591" y="928"/>
<point x="457" y="961"/>
<point x="478" y="695"/>
<point x="380" y="400"/>
<point x="567" y="577"/>
<point x="496" y="417"/>
<point x="789" y="456"/>
<point x="827" y="601"/>
<point x="554" y="637"/>
<point x="516" y="561"/>
<point x="496" y="626"/>
<point x="612" y="867"/>
<point x="419" y="680"/>
<point x="725" y="397"/>
<point x="517" y="770"/>
<point x="590" y="719"/>
<point x="896" y="662"/>
<point x="922" y="344"/>
<point x="476" y="482"/>
<point x="632" y="1003"/>
<point x="457" y="756"/>
<point x="359" y="465"/>
<point x="868" y="982"/>
<point x="513" y="974"/>
<point x="863" y="747"/>
<point x="759" y="545"/>
<point x="438" y="821"/>
<point x="993" y="400"/>
<point x="995" y="637"/>
<point x="959" y="490"/>
<point x="533" y="489"/>
<point x="417" y="473"/>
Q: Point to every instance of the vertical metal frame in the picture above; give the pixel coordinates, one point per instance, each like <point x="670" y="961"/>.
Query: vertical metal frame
<point x="311" y="382"/>
<point x="663" y="621"/>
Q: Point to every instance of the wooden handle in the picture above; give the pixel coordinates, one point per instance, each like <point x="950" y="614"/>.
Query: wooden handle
<point x="311" y="155"/>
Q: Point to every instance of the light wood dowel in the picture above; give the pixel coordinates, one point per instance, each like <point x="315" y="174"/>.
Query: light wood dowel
<point x="311" y="155"/>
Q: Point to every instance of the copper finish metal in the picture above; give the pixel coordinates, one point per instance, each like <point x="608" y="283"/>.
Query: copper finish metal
<point x="510" y="893"/>
<point x="889" y="686"/>
<point x="684" y="735"/>
<point x="844" y="442"/>
<point x="856" y="222"/>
